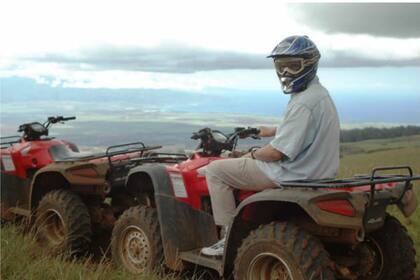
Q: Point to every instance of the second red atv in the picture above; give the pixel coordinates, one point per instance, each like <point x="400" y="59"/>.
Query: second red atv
<point x="310" y="229"/>
<point x="70" y="198"/>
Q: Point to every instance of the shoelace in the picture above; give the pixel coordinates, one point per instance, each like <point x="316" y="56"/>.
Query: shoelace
<point x="219" y="244"/>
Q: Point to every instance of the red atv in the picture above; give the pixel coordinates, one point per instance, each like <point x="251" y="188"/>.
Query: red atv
<point x="310" y="229"/>
<point x="70" y="198"/>
<point x="22" y="156"/>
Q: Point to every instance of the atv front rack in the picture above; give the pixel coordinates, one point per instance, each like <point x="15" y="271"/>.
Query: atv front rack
<point x="119" y="166"/>
<point x="359" y="181"/>
<point x="7" y="141"/>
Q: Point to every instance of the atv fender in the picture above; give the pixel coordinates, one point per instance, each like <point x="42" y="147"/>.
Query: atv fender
<point x="14" y="195"/>
<point x="182" y="227"/>
<point x="306" y="199"/>
<point x="285" y="200"/>
<point x="62" y="175"/>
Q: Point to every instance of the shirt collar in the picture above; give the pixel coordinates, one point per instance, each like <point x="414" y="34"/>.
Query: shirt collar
<point x="314" y="81"/>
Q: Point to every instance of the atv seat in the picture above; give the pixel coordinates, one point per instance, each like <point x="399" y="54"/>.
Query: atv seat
<point x="64" y="153"/>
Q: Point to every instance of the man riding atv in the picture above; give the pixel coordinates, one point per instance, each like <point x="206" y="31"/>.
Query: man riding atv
<point x="306" y="142"/>
<point x="309" y="228"/>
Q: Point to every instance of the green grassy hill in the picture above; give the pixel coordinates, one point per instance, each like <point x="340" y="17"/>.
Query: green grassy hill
<point x="22" y="259"/>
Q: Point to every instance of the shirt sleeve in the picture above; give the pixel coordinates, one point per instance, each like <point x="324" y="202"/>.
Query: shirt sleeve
<point x="292" y="132"/>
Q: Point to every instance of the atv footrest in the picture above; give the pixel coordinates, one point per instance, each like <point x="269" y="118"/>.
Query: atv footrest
<point x="196" y="257"/>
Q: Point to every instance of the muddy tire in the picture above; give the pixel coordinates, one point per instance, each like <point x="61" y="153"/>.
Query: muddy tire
<point x="396" y="252"/>
<point x="282" y="251"/>
<point x="62" y="223"/>
<point x="136" y="242"/>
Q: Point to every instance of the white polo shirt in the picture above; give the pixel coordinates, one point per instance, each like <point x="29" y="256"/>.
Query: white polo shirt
<point x="308" y="136"/>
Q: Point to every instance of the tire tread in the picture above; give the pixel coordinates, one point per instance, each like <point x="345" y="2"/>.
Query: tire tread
<point x="76" y="218"/>
<point x="307" y="251"/>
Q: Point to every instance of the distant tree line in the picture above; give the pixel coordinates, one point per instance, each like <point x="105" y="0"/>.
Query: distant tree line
<point x="359" y="134"/>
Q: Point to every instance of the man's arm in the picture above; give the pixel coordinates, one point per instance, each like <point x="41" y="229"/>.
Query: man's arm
<point x="266" y="153"/>
<point x="267" y="131"/>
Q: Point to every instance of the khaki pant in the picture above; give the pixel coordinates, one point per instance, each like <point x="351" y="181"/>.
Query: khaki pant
<point x="223" y="176"/>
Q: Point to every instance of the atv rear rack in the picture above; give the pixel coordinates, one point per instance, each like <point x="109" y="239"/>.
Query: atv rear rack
<point x="359" y="181"/>
<point x="109" y="153"/>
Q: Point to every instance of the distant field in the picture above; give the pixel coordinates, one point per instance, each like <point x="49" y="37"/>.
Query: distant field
<point x="100" y="127"/>
<point x="21" y="259"/>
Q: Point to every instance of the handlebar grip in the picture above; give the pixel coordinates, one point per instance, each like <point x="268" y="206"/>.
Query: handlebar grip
<point x="68" y="118"/>
<point x="248" y="132"/>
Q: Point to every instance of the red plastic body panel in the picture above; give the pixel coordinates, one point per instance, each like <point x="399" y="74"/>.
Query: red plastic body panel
<point x="30" y="155"/>
<point x="195" y="184"/>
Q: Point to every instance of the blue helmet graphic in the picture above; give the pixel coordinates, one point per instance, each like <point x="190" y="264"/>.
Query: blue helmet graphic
<point x="296" y="61"/>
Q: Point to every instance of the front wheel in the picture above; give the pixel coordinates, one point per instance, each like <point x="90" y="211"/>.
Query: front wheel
<point x="136" y="243"/>
<point x="62" y="223"/>
<point x="282" y="251"/>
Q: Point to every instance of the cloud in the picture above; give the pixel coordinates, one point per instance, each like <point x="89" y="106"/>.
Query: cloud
<point x="195" y="38"/>
<point x="169" y="58"/>
<point x="350" y="59"/>
<point x="181" y="59"/>
<point x="397" y="20"/>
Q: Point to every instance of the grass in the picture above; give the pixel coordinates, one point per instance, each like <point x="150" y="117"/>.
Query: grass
<point x="21" y="258"/>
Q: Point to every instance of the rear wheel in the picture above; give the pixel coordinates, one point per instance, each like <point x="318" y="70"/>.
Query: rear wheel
<point x="136" y="243"/>
<point x="387" y="254"/>
<point x="282" y="251"/>
<point x="62" y="223"/>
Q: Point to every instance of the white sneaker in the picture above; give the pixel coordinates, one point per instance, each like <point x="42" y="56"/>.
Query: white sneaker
<point x="215" y="250"/>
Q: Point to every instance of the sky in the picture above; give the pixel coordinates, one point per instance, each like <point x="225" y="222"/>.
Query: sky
<point x="193" y="45"/>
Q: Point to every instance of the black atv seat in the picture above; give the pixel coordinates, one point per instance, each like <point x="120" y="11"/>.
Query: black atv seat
<point x="64" y="153"/>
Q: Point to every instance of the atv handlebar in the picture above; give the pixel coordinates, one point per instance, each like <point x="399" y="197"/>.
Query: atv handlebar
<point x="201" y="133"/>
<point x="240" y="132"/>
<point x="53" y="120"/>
<point x="34" y="130"/>
<point x="69" y="118"/>
<point x="214" y="142"/>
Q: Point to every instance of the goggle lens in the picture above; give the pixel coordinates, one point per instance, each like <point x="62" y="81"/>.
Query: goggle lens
<point x="290" y="65"/>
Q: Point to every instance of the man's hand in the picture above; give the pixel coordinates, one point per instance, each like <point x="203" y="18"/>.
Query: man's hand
<point x="266" y="153"/>
<point x="236" y="154"/>
<point x="266" y="131"/>
<point x="247" y="155"/>
<point x="248" y="132"/>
